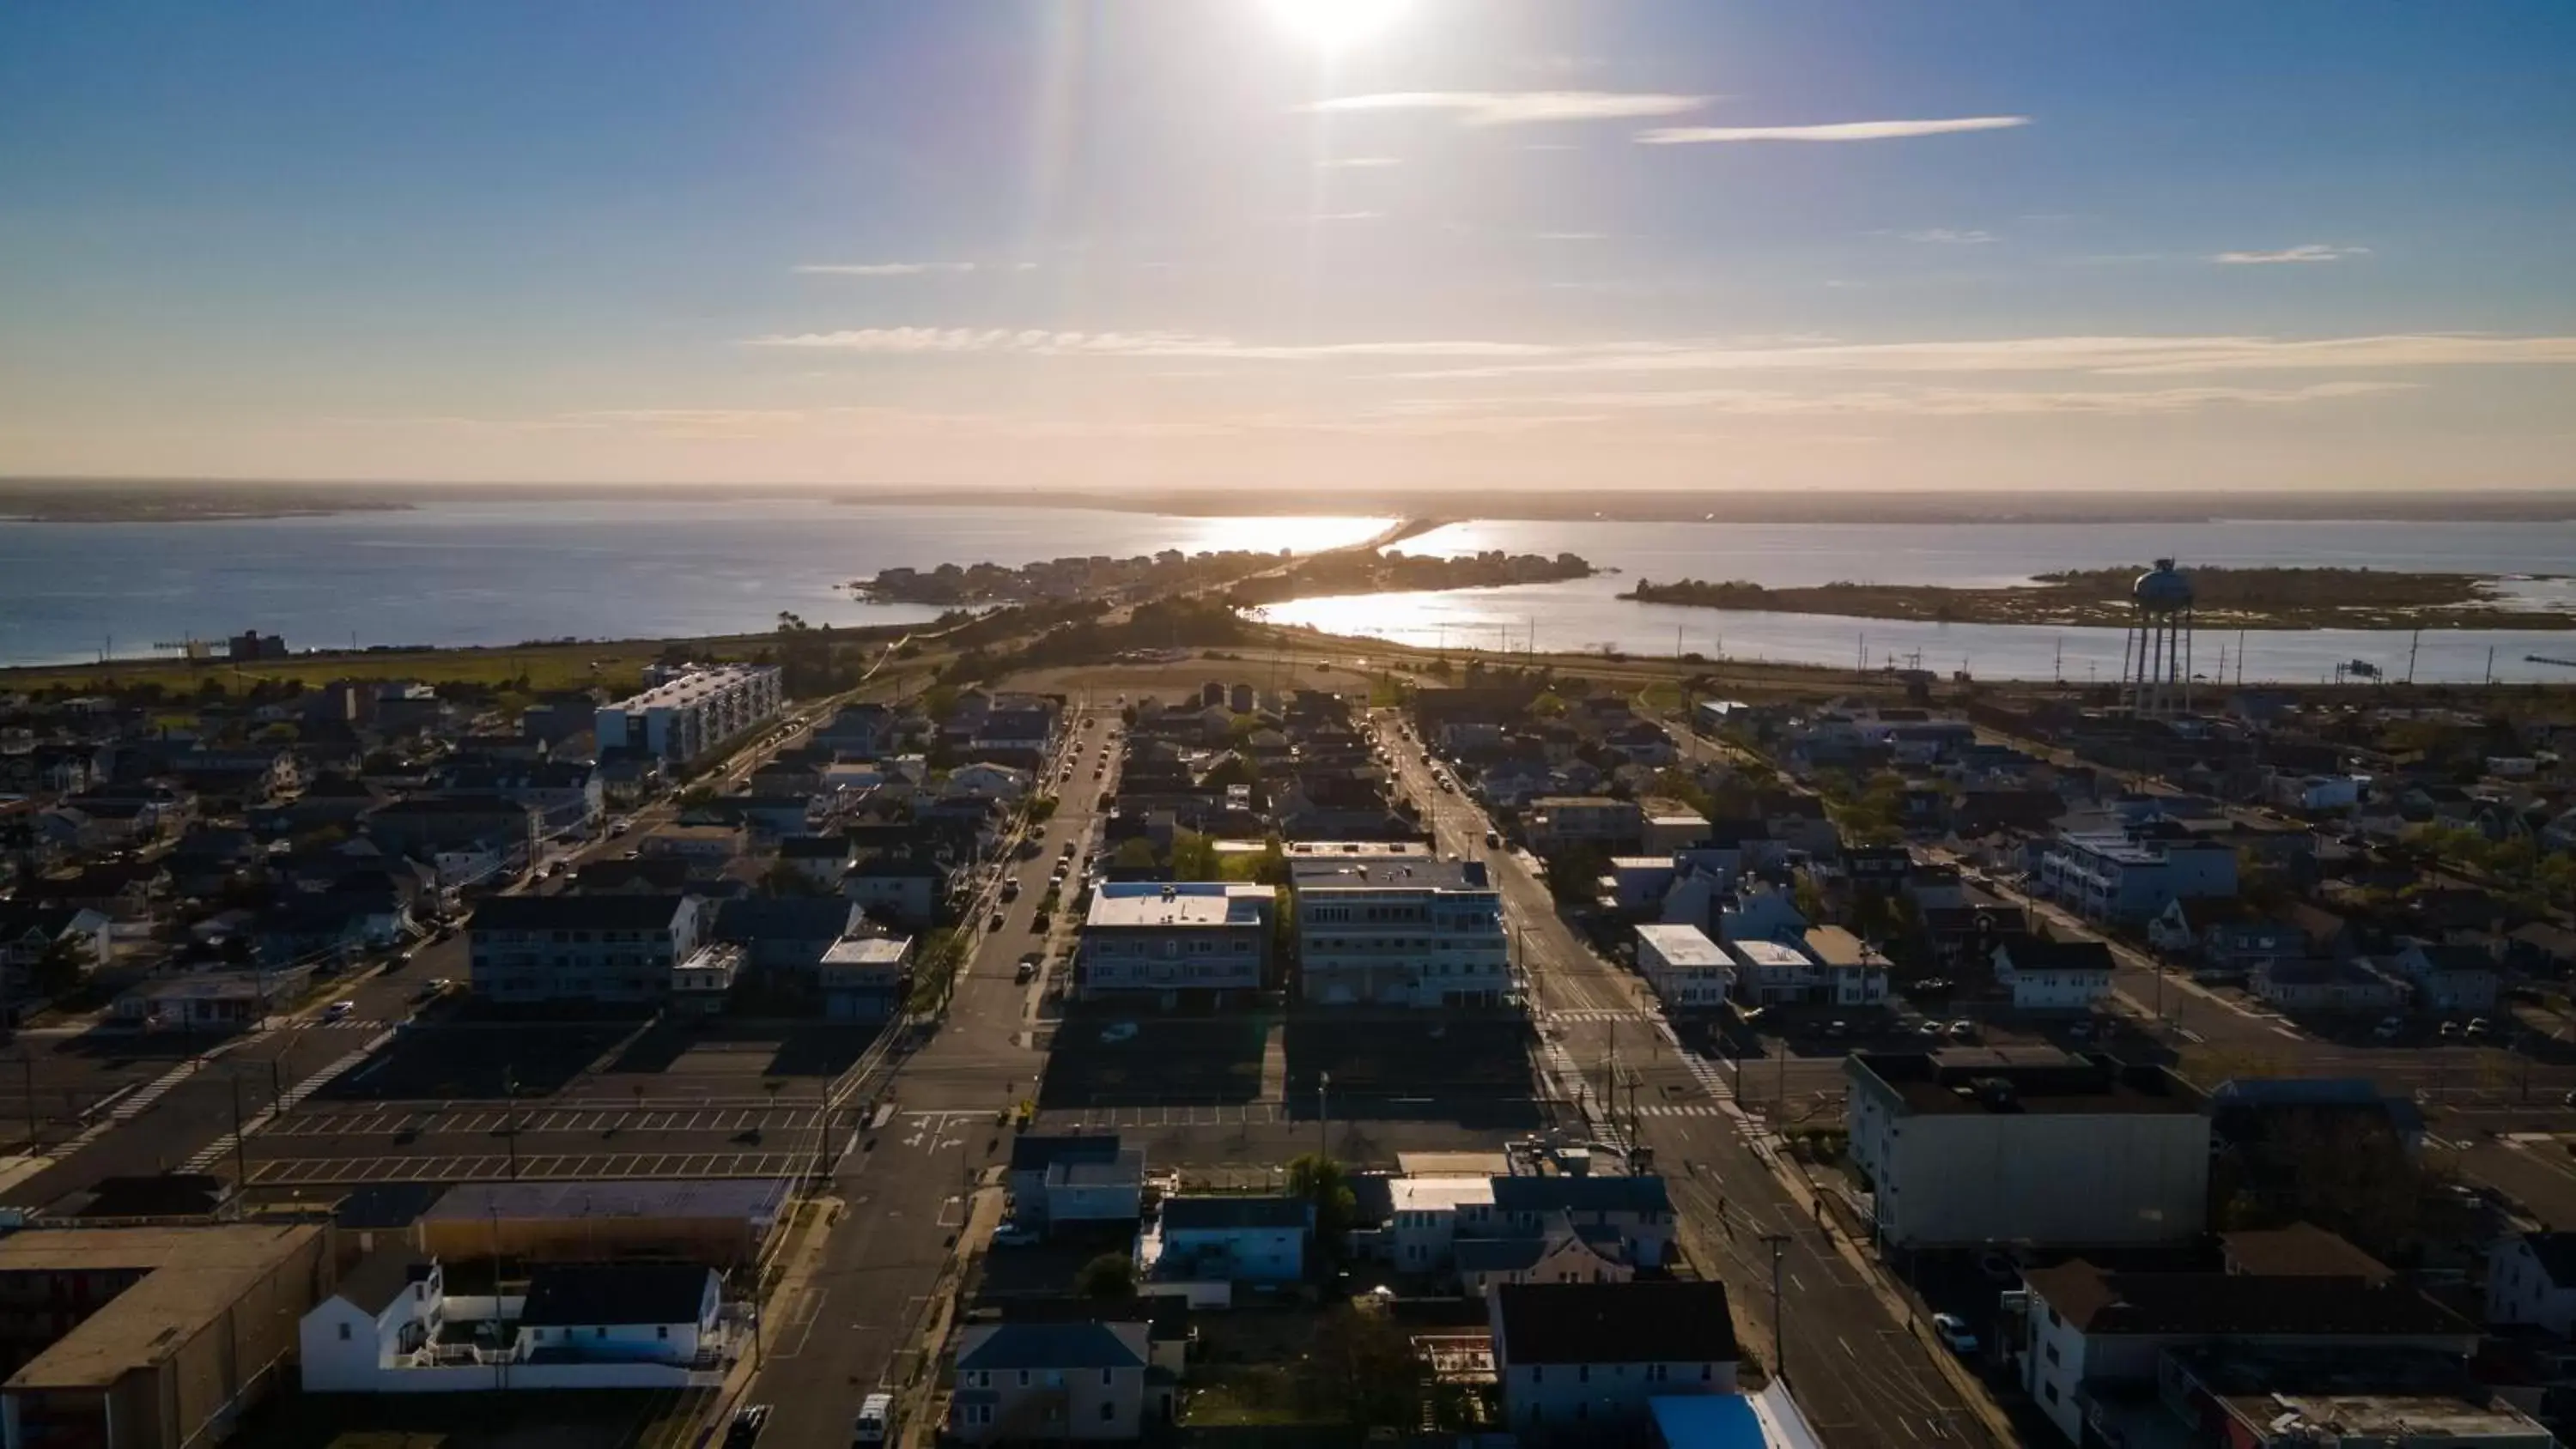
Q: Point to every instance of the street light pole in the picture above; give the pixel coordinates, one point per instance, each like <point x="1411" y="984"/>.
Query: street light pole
<point x="510" y="1118"/>
<point x="1323" y="1115"/>
<point x="241" y="1155"/>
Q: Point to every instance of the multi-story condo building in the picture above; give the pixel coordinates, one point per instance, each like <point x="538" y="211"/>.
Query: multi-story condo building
<point x="1399" y="930"/>
<point x="583" y="948"/>
<point x="2112" y="875"/>
<point x="1687" y="969"/>
<point x="691" y="712"/>
<point x="1203" y="938"/>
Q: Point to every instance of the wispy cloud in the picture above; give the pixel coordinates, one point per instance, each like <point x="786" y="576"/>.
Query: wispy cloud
<point x="1920" y="402"/>
<point x="2312" y="252"/>
<point x="1361" y="163"/>
<point x="1490" y="358"/>
<point x="1573" y="236"/>
<point x="1832" y="131"/>
<point x="1348" y="215"/>
<point x="1948" y="236"/>
<point x="888" y="269"/>
<point x="1517" y="108"/>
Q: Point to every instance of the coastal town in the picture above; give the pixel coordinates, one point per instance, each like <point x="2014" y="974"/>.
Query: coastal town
<point x="1056" y="1035"/>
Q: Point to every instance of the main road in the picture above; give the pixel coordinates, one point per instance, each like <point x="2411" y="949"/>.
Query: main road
<point x="1868" y="1378"/>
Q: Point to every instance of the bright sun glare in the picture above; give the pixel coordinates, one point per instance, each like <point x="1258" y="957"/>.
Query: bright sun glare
<point x="1334" y="23"/>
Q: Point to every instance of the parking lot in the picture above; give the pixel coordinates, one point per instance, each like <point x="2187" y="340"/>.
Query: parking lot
<point x="1116" y="1059"/>
<point x="467" y="1060"/>
<point x="501" y="1167"/>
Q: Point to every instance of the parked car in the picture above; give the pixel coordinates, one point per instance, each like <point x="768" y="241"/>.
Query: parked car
<point x="746" y="1426"/>
<point x="1930" y="1028"/>
<point x="2478" y="1028"/>
<point x="1954" y="1333"/>
<point x="1118" y="1031"/>
<point x="1493" y="840"/>
<point x="994" y="924"/>
<point x="338" y="1009"/>
<point x="876" y="1416"/>
<point x="1963" y="1030"/>
<point x="2389" y="1029"/>
<point x="1027" y="969"/>
<point x="1837" y="1028"/>
<point x="1014" y="1235"/>
<point x="1999" y="1269"/>
<point x="2450" y="1030"/>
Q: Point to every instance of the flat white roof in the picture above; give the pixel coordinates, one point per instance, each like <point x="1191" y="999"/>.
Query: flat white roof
<point x="1766" y="953"/>
<point x="1684" y="945"/>
<point x="1183" y="903"/>
<point x="867" y="951"/>
<point x="690" y="688"/>
<point x="1440" y="1194"/>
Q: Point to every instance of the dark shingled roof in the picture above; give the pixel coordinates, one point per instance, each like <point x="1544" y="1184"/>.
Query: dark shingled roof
<point x="579" y="1295"/>
<point x="1040" y="1152"/>
<point x="1166" y="1318"/>
<point x="2097" y="1300"/>
<point x="1051" y="1346"/>
<point x="1210" y="1213"/>
<point x="576" y="913"/>
<point x="1582" y="1323"/>
<point x="1640" y="1194"/>
<point x="2556" y="1253"/>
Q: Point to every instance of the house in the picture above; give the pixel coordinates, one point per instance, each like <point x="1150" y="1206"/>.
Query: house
<point x="1398" y="930"/>
<point x="905" y="889"/>
<point x="2305" y="1395"/>
<point x="2095" y="1337"/>
<point x="384" y="1313"/>
<point x="1635" y="1210"/>
<point x="987" y="781"/>
<point x="30" y="932"/>
<point x="822" y="860"/>
<point x="1205" y="938"/>
<point x="1560" y="1253"/>
<point x="661" y="1313"/>
<point x="1689" y="971"/>
<point x="2046" y="975"/>
<point x="1756" y="911"/>
<point x="1583" y="1360"/>
<point x="2531" y="1278"/>
<point x="2326" y="986"/>
<point x="2127" y="874"/>
<point x="1035" y="1158"/>
<point x="121" y="890"/>
<point x="706" y="847"/>
<point x="1768" y="973"/>
<point x="210" y="1000"/>
<point x="2446" y="979"/>
<point x="865" y="976"/>
<point x="1030" y="1382"/>
<point x="425" y="825"/>
<point x="1245" y="1239"/>
<point x="582" y="948"/>
<point x="785" y="934"/>
<point x="1638" y="884"/>
<point x="1851" y="972"/>
<point x="564" y="795"/>
<point x="1969" y="1147"/>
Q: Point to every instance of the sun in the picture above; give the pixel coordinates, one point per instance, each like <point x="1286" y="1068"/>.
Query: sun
<point x="1332" y="24"/>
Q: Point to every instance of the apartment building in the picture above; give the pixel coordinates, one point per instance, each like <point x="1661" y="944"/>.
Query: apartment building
<point x="583" y="948"/>
<point x="1687" y="969"/>
<point x="1565" y="822"/>
<point x="690" y="712"/>
<point x="2116" y="875"/>
<point x="1399" y="931"/>
<point x="1973" y="1147"/>
<point x="1203" y="939"/>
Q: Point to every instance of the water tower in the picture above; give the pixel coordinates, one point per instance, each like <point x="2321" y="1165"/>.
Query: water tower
<point x="2155" y="668"/>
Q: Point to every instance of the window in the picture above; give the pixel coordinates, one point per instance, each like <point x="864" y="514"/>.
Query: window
<point x="600" y="1332"/>
<point x="1024" y="1378"/>
<point x="2053" y="1319"/>
<point x="1108" y="1409"/>
<point x="1108" y="1378"/>
<point x="2048" y="1392"/>
<point x="662" y="1331"/>
<point x="344" y="1333"/>
<point x="1707" y="1372"/>
<point x="1538" y="1373"/>
<point x="2052" y="1353"/>
<point x="1583" y="1373"/>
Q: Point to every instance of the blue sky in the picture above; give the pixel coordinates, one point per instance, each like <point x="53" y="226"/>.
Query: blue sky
<point x="1470" y="243"/>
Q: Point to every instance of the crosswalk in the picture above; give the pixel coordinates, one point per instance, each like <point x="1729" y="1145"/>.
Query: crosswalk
<point x="1631" y="1017"/>
<point x="215" y="1151"/>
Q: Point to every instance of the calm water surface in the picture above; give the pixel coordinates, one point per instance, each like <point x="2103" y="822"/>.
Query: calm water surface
<point x="501" y="573"/>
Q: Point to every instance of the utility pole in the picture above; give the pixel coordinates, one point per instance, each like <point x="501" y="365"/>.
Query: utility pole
<point x="27" y="1066"/>
<point x="510" y="1118"/>
<point x="1779" y="1245"/>
<point x="1323" y="1115"/>
<point x="241" y="1152"/>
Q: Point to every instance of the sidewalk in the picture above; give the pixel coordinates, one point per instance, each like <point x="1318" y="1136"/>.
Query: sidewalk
<point x="796" y="1259"/>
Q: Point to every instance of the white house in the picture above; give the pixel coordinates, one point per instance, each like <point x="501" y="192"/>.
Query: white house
<point x="1689" y="971"/>
<point x="1423" y="1226"/>
<point x="2447" y="978"/>
<point x="2531" y="1278"/>
<point x="1048" y="1382"/>
<point x="1562" y="1253"/>
<point x="1585" y="1359"/>
<point x="619" y="1313"/>
<point x="382" y="1315"/>
<point x="982" y="780"/>
<point x="2053" y="975"/>
<point x="1771" y="971"/>
<point x="1851" y="972"/>
<point x="1244" y="1239"/>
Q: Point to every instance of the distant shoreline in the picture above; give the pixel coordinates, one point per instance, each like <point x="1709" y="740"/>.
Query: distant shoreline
<point x="62" y="500"/>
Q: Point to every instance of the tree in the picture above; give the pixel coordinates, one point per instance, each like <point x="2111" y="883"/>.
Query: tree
<point x="783" y="879"/>
<point x="1136" y="854"/>
<point x="66" y="962"/>
<point x="1326" y="1187"/>
<point x="1193" y="856"/>
<point x="1107" y="1278"/>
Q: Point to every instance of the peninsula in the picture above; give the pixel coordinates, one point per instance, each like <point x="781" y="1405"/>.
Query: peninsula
<point x="1246" y="578"/>
<point x="2234" y="598"/>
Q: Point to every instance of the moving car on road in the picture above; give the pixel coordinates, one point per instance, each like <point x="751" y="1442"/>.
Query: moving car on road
<point x="1954" y="1333"/>
<point x="876" y="1417"/>
<point x="746" y="1426"/>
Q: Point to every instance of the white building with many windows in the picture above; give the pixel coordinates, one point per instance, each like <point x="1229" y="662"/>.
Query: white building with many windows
<point x="1687" y="969"/>
<point x="692" y="711"/>
<point x="1205" y="938"/>
<point x="1400" y="930"/>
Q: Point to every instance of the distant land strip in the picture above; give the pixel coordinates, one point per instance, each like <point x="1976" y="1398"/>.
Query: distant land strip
<point x="2224" y="598"/>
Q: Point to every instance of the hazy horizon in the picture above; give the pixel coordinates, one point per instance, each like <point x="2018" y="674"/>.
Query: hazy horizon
<point x="1328" y="245"/>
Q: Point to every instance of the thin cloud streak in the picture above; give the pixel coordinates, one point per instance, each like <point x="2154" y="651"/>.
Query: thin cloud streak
<point x="1921" y="402"/>
<point x="1832" y="131"/>
<point x="1947" y="236"/>
<point x="2312" y="252"/>
<point x="1520" y="108"/>
<point x="886" y="269"/>
<point x="1361" y="163"/>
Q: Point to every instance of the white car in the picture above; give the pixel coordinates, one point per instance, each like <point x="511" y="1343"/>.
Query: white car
<point x="1014" y="1235"/>
<point x="1954" y="1333"/>
<point x="338" y="1009"/>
